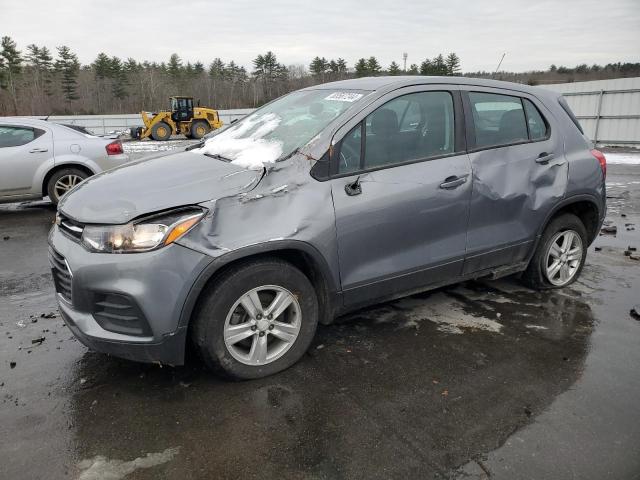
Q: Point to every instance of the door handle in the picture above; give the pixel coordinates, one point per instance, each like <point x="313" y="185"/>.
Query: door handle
<point x="453" y="182"/>
<point x="38" y="150"/>
<point x="544" y="157"/>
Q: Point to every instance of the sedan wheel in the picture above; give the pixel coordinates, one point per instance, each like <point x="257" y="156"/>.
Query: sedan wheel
<point x="66" y="183"/>
<point x="62" y="181"/>
<point x="262" y="325"/>
<point x="564" y="257"/>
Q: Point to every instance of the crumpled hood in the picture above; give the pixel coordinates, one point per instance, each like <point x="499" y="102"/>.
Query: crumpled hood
<point x="150" y="185"/>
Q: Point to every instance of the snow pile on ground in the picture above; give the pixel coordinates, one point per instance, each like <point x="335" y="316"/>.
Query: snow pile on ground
<point x="248" y="150"/>
<point x="623" y="158"/>
<point x="102" y="468"/>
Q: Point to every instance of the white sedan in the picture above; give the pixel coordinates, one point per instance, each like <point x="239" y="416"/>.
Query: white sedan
<point x="40" y="158"/>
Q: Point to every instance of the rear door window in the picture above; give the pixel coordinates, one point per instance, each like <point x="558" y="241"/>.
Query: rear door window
<point x="498" y="119"/>
<point x="15" y="136"/>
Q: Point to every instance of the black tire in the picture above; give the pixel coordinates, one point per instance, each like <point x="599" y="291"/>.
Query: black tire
<point x="207" y="329"/>
<point x="161" y="131"/>
<point x="199" y="129"/>
<point x="535" y="275"/>
<point x="135" y="132"/>
<point x="74" y="176"/>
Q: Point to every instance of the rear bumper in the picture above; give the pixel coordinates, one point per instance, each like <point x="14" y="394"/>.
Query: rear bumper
<point x="152" y="288"/>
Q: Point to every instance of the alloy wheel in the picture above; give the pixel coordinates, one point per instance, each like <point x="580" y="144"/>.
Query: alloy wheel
<point x="66" y="183"/>
<point x="563" y="258"/>
<point x="262" y="325"/>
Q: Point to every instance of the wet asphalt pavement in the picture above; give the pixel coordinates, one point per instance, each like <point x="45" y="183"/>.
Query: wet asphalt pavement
<point x="480" y="380"/>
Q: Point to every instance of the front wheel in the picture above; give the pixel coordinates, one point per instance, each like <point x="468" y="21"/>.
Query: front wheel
<point x="258" y="319"/>
<point x="62" y="181"/>
<point x="560" y="255"/>
<point x="161" y="131"/>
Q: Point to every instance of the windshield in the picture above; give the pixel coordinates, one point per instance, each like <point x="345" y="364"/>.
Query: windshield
<point x="279" y="128"/>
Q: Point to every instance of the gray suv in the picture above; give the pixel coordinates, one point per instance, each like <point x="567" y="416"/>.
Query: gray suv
<point x="323" y="201"/>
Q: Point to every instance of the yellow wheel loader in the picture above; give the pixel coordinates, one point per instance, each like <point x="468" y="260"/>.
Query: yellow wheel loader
<point x="181" y="118"/>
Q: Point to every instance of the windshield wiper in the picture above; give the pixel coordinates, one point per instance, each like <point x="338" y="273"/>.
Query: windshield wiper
<point x="217" y="156"/>
<point x="289" y="155"/>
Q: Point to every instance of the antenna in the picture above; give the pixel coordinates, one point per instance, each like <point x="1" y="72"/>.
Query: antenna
<point x="404" y="57"/>
<point x="499" y="63"/>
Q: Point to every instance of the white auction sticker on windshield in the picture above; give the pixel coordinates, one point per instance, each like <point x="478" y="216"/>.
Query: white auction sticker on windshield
<point x="344" y="96"/>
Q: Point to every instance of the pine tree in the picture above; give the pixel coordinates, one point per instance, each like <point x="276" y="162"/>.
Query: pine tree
<point x="102" y="66"/>
<point x="131" y="66"/>
<point x="426" y="67"/>
<point x="118" y="77"/>
<point x="267" y="68"/>
<point x="236" y="73"/>
<point x="68" y="67"/>
<point x="394" y="69"/>
<point x="174" y="67"/>
<point x="11" y="70"/>
<point x="439" y="66"/>
<point x="41" y="63"/>
<point x="453" y="64"/>
<point x="362" y="70"/>
<point x="217" y="68"/>
<point x="373" y="66"/>
<point x="45" y="61"/>
<point x="342" y="65"/>
<point x="413" y="69"/>
<point x="319" y="66"/>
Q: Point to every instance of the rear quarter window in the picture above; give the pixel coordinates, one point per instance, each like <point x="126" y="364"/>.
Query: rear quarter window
<point x="565" y="106"/>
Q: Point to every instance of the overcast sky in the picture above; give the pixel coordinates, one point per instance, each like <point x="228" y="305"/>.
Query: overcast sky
<point x="534" y="34"/>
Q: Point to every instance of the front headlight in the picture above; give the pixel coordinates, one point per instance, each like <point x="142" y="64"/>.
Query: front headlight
<point x="141" y="235"/>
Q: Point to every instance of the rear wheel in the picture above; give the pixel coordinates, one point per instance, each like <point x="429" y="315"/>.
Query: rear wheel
<point x="256" y="320"/>
<point x="560" y="255"/>
<point x="161" y="131"/>
<point x="199" y="129"/>
<point x="62" y="181"/>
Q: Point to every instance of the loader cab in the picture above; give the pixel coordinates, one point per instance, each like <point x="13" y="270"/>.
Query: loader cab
<point x="181" y="109"/>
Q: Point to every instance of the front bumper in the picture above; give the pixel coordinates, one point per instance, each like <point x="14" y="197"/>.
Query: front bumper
<point x="154" y="285"/>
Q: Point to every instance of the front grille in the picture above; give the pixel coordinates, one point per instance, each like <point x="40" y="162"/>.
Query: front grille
<point x="61" y="274"/>
<point x="70" y="227"/>
<point x="120" y="314"/>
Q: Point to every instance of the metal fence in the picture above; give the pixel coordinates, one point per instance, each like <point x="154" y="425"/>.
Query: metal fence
<point x="103" y="124"/>
<point x="608" y="110"/>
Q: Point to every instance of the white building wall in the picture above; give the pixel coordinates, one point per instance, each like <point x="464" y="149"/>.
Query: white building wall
<point x="608" y="110"/>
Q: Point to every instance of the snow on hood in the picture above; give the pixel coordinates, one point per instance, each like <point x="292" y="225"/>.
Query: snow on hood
<point x="247" y="150"/>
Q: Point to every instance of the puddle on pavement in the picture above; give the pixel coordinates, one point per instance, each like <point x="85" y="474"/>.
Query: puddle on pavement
<point x="389" y="379"/>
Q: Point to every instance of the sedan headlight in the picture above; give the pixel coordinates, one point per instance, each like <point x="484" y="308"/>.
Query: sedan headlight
<point x="141" y="235"/>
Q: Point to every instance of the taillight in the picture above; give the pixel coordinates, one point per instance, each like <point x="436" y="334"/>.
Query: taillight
<point x="114" y="148"/>
<point x="601" y="159"/>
